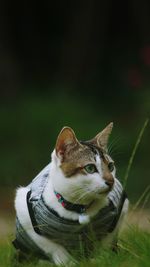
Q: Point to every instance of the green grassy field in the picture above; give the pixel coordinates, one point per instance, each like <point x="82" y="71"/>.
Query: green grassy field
<point x="134" y="251"/>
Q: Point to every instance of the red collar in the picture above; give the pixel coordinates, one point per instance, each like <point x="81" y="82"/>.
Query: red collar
<point x="79" y="208"/>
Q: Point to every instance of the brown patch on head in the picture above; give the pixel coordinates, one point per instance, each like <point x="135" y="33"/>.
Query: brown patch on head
<point x="74" y="155"/>
<point x="66" y="139"/>
<point x="75" y="159"/>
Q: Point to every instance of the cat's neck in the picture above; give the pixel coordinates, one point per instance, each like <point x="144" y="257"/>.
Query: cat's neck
<point x="52" y="201"/>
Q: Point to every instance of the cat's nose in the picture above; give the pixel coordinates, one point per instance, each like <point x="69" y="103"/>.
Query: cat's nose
<point x="109" y="183"/>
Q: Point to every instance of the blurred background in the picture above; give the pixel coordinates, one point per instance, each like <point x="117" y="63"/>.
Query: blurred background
<point x="76" y="63"/>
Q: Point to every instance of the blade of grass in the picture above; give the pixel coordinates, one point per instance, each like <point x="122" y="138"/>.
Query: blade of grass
<point x="136" y="205"/>
<point x="129" y="250"/>
<point x="134" y="152"/>
<point x="146" y="200"/>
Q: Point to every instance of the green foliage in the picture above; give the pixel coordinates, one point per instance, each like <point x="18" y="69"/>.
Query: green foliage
<point x="134" y="248"/>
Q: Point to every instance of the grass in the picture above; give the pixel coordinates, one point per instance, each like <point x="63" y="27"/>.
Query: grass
<point x="134" y="248"/>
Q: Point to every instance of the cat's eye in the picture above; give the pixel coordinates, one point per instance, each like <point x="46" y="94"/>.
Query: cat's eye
<point x="111" y="166"/>
<point x="90" y="168"/>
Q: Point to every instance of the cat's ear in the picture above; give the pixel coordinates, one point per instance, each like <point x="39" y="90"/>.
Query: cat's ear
<point x="66" y="140"/>
<point x="101" y="139"/>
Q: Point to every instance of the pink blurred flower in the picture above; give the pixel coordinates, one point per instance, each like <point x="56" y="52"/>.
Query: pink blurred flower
<point x="134" y="77"/>
<point x="145" y="54"/>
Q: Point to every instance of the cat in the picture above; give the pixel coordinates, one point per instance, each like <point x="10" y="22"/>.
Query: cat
<point x="78" y="191"/>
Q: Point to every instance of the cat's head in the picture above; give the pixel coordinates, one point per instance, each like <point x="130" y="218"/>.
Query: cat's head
<point x="82" y="171"/>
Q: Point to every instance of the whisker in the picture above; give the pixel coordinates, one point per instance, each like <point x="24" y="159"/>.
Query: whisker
<point x="114" y="141"/>
<point x="115" y="145"/>
<point x="82" y="197"/>
<point x="76" y="192"/>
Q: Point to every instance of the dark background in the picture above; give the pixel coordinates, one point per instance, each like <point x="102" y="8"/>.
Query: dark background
<point x="76" y="63"/>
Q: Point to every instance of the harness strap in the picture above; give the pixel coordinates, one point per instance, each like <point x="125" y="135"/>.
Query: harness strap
<point x="116" y="219"/>
<point x="20" y="246"/>
<point x="31" y="213"/>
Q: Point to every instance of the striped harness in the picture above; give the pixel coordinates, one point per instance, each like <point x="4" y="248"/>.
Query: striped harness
<point x="68" y="233"/>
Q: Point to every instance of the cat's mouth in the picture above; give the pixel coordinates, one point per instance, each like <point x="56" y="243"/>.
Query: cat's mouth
<point x="104" y="191"/>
